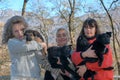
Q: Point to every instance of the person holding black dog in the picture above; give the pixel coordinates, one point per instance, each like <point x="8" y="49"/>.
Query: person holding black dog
<point x="89" y="33"/>
<point x="62" y="39"/>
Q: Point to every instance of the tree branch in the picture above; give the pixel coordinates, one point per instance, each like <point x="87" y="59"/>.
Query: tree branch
<point x="112" y="4"/>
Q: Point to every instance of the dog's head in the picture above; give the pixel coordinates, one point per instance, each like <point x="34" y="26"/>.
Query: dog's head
<point x="54" y="51"/>
<point x="29" y="35"/>
<point x="104" y="38"/>
<point x="82" y="43"/>
<point x="66" y="50"/>
<point x="32" y="34"/>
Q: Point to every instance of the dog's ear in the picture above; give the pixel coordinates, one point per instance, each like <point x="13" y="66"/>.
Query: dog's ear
<point x="109" y="33"/>
<point x="54" y="51"/>
<point x="48" y="49"/>
<point x="25" y="33"/>
<point x="70" y="46"/>
<point x="66" y="50"/>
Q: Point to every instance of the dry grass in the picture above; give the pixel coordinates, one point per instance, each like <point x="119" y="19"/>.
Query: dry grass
<point x="4" y="62"/>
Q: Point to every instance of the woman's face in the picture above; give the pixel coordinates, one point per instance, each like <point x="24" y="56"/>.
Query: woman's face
<point x="61" y="38"/>
<point x="18" y="31"/>
<point x="89" y="31"/>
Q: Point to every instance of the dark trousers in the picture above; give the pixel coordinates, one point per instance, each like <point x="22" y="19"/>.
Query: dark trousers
<point x="65" y="77"/>
<point x="48" y="76"/>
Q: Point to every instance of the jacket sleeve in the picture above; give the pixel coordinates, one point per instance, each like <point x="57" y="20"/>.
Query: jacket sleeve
<point x="46" y="65"/>
<point x="107" y="61"/>
<point x="76" y="58"/>
<point x="15" y="46"/>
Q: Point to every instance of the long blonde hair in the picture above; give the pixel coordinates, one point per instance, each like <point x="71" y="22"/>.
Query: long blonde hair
<point x="7" y="30"/>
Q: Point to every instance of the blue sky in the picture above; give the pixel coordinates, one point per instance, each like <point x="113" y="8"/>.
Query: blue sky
<point x="18" y="4"/>
<point x="11" y="4"/>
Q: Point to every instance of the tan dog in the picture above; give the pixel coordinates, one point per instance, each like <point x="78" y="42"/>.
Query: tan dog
<point x="35" y="35"/>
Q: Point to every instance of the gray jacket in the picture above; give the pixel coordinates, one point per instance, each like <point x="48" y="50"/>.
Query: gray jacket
<point x="23" y="60"/>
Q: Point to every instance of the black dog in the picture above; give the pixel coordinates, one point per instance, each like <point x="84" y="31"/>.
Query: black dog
<point x="53" y="55"/>
<point x="98" y="46"/>
<point x="63" y="53"/>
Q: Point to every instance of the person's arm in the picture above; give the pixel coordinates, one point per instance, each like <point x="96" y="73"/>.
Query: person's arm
<point x="46" y="65"/>
<point x="16" y="46"/>
<point x="107" y="61"/>
<point x="78" y="57"/>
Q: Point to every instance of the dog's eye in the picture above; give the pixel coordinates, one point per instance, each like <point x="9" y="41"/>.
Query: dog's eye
<point x="107" y="35"/>
<point x="30" y="34"/>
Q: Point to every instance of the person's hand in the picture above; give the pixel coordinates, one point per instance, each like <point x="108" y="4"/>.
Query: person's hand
<point x="89" y="53"/>
<point x="58" y="62"/>
<point x="66" y="73"/>
<point x="81" y="70"/>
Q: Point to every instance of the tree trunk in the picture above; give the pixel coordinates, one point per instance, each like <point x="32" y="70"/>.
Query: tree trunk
<point x="114" y="47"/>
<point x="24" y="7"/>
<point x="71" y="23"/>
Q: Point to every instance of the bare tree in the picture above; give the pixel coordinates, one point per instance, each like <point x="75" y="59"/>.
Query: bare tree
<point x="66" y="10"/>
<point x="71" y="20"/>
<point x="41" y="14"/>
<point x="24" y="7"/>
<point x="113" y="30"/>
<point x="112" y="4"/>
